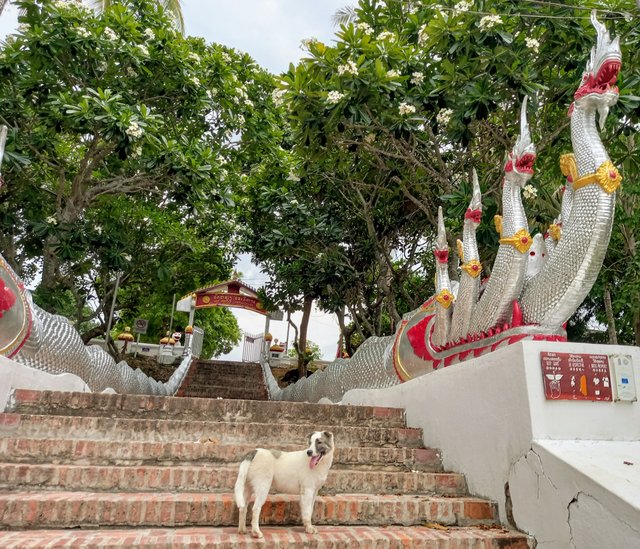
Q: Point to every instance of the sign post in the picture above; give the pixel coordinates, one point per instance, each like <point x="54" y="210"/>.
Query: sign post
<point x="140" y="326"/>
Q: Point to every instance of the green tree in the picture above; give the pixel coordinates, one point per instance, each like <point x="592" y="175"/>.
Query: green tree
<point x="312" y="352"/>
<point x="125" y="141"/>
<point x="387" y="123"/>
<point x="173" y="7"/>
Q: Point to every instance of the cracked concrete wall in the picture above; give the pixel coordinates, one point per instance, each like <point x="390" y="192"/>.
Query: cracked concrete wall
<point x="489" y="418"/>
<point x="566" y="508"/>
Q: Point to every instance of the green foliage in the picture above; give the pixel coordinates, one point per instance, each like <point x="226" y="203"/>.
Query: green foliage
<point x="125" y="144"/>
<point x="386" y="124"/>
<point x="312" y="352"/>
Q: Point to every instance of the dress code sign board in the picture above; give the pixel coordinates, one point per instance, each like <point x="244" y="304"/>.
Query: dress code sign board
<point x="573" y="376"/>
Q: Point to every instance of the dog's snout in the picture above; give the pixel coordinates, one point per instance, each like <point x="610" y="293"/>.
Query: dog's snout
<point x="309" y="452"/>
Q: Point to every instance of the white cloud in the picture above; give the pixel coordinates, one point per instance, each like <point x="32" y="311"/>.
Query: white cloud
<point x="269" y="31"/>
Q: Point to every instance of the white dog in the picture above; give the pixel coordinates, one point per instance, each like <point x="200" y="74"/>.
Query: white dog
<point x="302" y="472"/>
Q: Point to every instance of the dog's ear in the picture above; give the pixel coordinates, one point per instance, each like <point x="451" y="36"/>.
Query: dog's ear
<point x="328" y="434"/>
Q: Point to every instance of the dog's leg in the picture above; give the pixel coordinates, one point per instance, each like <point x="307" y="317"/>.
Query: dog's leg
<point x="260" y="493"/>
<point x="307" y="499"/>
<point x="242" y="522"/>
<point x="242" y="493"/>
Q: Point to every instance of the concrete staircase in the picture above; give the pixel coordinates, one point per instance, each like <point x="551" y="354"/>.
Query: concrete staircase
<point x="106" y="470"/>
<point x="217" y="379"/>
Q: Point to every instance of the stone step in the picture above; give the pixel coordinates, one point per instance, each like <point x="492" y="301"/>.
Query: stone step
<point x="144" y="406"/>
<point x="328" y="537"/>
<point x="44" y="509"/>
<point x="104" y="428"/>
<point x="216" y="478"/>
<point x="104" y="452"/>
<point x="226" y="392"/>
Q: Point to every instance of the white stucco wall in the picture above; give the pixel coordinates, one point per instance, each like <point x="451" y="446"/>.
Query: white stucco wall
<point x="490" y="419"/>
<point x="17" y="376"/>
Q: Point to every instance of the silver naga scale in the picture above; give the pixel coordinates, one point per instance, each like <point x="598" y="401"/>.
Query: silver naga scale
<point x="536" y="284"/>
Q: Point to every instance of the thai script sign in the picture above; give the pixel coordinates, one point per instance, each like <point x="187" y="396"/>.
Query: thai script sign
<point x="575" y="376"/>
<point x="219" y="299"/>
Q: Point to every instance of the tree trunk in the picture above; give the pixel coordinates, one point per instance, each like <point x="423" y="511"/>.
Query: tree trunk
<point x="302" y="342"/>
<point x="50" y="264"/>
<point x="611" y="321"/>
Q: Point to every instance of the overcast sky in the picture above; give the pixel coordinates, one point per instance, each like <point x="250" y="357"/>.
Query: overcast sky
<point x="270" y="31"/>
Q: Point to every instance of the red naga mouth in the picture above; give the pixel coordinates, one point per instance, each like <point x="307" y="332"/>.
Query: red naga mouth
<point x="524" y="164"/>
<point x="603" y="81"/>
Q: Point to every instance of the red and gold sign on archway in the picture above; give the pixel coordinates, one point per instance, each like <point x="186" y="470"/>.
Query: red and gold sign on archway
<point x="232" y="293"/>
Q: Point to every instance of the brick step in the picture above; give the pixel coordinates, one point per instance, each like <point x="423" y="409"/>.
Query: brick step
<point x="328" y="537"/>
<point x="221" y="373"/>
<point x="21" y="510"/>
<point x="227" y="382"/>
<point x="220" y="392"/>
<point x="104" y="428"/>
<point x="238" y="369"/>
<point x="217" y="478"/>
<point x="101" y="452"/>
<point x="215" y="373"/>
<point x="144" y="406"/>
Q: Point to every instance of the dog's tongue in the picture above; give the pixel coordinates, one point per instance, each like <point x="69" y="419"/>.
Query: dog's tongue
<point x="314" y="461"/>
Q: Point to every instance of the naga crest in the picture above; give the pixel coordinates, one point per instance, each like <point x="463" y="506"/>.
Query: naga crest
<point x="523" y="155"/>
<point x="601" y="73"/>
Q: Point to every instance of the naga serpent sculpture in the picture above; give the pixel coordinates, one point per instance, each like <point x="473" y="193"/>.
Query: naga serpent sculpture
<point x="531" y="293"/>
<point x="526" y="297"/>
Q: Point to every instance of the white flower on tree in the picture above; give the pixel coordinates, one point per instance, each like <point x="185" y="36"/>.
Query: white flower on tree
<point x="392" y="73"/>
<point x="109" y="33"/>
<point x="149" y="33"/>
<point x="81" y="31"/>
<point x="134" y="130"/>
<point x="461" y="7"/>
<point x="444" y="117"/>
<point x="348" y="68"/>
<point x="365" y="28"/>
<point x="406" y="108"/>
<point x="386" y="35"/>
<point x="334" y="97"/>
<point x="529" y="192"/>
<point x="417" y="78"/>
<point x="143" y="50"/>
<point x="422" y="35"/>
<point x="489" y="21"/>
<point x="278" y="96"/>
<point x="532" y="44"/>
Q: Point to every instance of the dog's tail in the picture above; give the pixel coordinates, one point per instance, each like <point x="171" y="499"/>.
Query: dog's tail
<point x="238" y="490"/>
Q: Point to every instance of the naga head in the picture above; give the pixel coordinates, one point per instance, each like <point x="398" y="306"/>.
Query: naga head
<point x="598" y="86"/>
<point x="521" y="158"/>
<point x="474" y="211"/>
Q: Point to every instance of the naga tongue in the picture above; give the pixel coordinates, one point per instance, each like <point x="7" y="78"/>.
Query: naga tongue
<point x="314" y="461"/>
